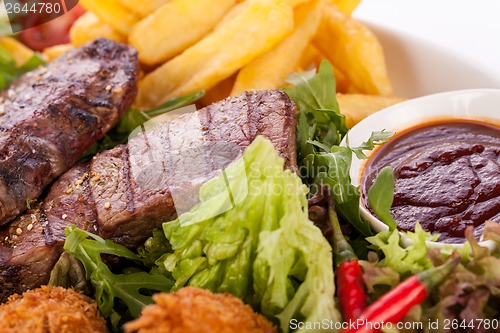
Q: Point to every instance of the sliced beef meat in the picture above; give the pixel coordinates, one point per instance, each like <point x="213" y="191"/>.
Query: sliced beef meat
<point x="159" y="173"/>
<point x="51" y="115"/>
<point x="31" y="244"/>
<point x="124" y="193"/>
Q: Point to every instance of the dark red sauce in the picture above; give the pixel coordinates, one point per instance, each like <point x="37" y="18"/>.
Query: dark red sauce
<point x="446" y="176"/>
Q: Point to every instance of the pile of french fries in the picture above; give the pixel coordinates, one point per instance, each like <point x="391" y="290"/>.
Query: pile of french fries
<point x="228" y="46"/>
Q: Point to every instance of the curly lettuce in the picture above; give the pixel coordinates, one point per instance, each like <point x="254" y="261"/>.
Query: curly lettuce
<point x="263" y="248"/>
<point x="470" y="293"/>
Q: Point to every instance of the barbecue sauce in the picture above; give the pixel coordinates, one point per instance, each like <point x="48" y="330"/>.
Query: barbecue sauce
<point x="446" y="177"/>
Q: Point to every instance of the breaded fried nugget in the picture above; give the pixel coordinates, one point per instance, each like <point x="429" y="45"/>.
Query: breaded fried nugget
<point x="51" y="310"/>
<point x="195" y="310"/>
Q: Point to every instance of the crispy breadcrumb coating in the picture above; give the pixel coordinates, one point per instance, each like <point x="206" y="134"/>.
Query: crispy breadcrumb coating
<point x="51" y="310"/>
<point x="195" y="310"/>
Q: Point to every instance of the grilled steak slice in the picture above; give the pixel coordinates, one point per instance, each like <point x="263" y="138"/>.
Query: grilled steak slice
<point x="50" y="116"/>
<point x="126" y="192"/>
<point x="31" y="244"/>
<point x="159" y="173"/>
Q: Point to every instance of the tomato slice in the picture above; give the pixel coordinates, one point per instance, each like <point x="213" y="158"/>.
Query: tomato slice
<point x="51" y="33"/>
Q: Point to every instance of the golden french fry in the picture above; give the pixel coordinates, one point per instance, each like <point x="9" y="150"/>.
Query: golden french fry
<point x="346" y="6"/>
<point x="355" y="50"/>
<point x="177" y="25"/>
<point x="89" y="27"/>
<point x="113" y="13"/>
<point x="16" y="49"/>
<point x="144" y="7"/>
<point x="235" y="43"/>
<point x="311" y="58"/>
<point x="270" y="70"/>
<point x="50" y="53"/>
<point x="357" y="107"/>
<point x="295" y="3"/>
<point x="238" y="9"/>
<point x="342" y="83"/>
<point x="218" y="92"/>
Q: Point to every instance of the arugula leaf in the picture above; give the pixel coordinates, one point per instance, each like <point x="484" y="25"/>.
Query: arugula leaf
<point x="381" y="196"/>
<point x="135" y="118"/>
<point x="345" y="195"/>
<point x="130" y="288"/>
<point x="376" y="138"/>
<point x="320" y="129"/>
<point x="9" y="70"/>
<point x="314" y="95"/>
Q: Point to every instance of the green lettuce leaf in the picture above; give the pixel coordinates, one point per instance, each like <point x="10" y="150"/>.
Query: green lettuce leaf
<point x="134" y="289"/>
<point x="320" y="129"/>
<point x="9" y="71"/>
<point x="69" y="272"/>
<point x="376" y="138"/>
<point x="381" y="196"/>
<point x="470" y="292"/>
<point x="261" y="248"/>
<point x="314" y="95"/>
<point x="404" y="260"/>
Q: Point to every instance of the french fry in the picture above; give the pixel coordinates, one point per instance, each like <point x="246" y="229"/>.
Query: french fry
<point x="113" y="13"/>
<point x="346" y="6"/>
<point x="342" y="83"/>
<point x="357" y="107"/>
<point x="219" y="92"/>
<point x="295" y="3"/>
<point x="144" y="8"/>
<point x="355" y="50"/>
<point x="238" y="9"/>
<point x="177" y="25"/>
<point x="17" y="50"/>
<point x="89" y="27"/>
<point x="270" y="70"/>
<point x="50" y="53"/>
<point x="311" y="59"/>
<point x="235" y="43"/>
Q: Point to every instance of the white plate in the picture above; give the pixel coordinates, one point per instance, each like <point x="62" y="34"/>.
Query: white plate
<point x="437" y="45"/>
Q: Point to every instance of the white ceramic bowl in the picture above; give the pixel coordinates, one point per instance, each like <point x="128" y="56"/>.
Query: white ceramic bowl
<point x="472" y="104"/>
<point x="435" y="46"/>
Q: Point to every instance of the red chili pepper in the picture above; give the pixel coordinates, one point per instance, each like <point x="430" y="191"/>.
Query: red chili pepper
<point x="393" y="306"/>
<point x="351" y="292"/>
<point x="350" y="283"/>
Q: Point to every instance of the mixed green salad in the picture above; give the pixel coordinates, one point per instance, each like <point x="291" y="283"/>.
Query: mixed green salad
<point x="265" y="250"/>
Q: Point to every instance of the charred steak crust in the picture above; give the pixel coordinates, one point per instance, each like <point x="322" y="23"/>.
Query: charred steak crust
<point x="27" y="254"/>
<point x="50" y="116"/>
<point x="109" y="197"/>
